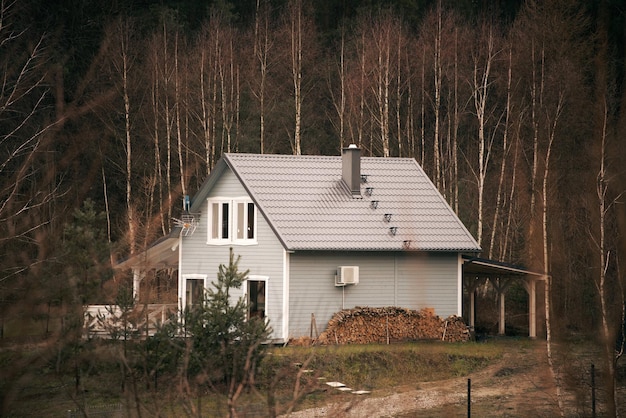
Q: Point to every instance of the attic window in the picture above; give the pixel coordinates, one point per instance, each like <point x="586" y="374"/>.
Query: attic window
<point x="387" y="217"/>
<point x="368" y="191"/>
<point x="374" y="204"/>
<point x="232" y="221"/>
<point x="393" y="230"/>
<point x="220" y="220"/>
<point x="363" y="178"/>
<point x="246" y="220"/>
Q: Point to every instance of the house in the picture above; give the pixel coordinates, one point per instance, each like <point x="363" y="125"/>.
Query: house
<point x="319" y="234"/>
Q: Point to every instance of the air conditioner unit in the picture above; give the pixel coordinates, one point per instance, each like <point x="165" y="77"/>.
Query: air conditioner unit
<point x="347" y="275"/>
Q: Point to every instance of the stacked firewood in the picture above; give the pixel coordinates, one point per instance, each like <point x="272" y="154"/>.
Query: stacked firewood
<point x="364" y="325"/>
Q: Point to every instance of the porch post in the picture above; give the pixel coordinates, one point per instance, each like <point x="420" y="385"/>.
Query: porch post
<point x="501" y="322"/>
<point x="530" y="284"/>
<point x="138" y="275"/>
<point x="532" y="308"/>
<point x="471" y="284"/>
<point x="472" y="308"/>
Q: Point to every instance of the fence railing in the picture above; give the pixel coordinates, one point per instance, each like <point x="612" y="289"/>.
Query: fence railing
<point x="113" y="410"/>
<point x="106" y="321"/>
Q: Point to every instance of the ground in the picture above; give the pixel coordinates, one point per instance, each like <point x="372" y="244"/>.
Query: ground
<point x="520" y="384"/>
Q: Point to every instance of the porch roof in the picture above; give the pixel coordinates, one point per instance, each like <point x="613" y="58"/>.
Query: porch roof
<point x="483" y="267"/>
<point x="161" y="254"/>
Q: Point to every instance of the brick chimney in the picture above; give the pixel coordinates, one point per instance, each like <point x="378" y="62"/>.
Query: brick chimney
<point x="351" y="169"/>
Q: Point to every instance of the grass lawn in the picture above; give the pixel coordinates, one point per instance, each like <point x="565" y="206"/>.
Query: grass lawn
<point x="43" y="382"/>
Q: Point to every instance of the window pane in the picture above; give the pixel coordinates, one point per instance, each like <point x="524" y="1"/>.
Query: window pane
<point x="194" y="291"/>
<point x="240" y="218"/>
<point x="224" y="221"/>
<point x="215" y="221"/>
<point x="256" y="299"/>
<point x="250" y="220"/>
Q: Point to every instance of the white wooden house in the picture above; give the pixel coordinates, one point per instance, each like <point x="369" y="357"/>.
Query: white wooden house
<point x="323" y="233"/>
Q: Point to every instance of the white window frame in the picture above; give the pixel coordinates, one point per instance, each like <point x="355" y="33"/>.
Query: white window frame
<point x="257" y="278"/>
<point x="233" y="214"/>
<point x="235" y="224"/>
<point x="220" y="240"/>
<point x="192" y="276"/>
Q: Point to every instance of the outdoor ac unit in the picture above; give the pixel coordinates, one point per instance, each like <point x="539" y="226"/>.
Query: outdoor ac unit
<point x="347" y="275"/>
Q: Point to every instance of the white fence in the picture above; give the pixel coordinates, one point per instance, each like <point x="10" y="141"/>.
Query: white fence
<point x="108" y="321"/>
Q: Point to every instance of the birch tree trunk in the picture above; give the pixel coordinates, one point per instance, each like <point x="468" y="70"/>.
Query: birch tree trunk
<point x="552" y="127"/>
<point x="481" y="83"/>
<point x="437" y="81"/>
<point x="608" y="337"/>
<point x="455" y="128"/>
<point x="363" y="74"/>
<point x="423" y="110"/>
<point x="123" y="67"/>
<point x="399" y="91"/>
<point x="383" y="90"/>
<point x="177" y="106"/>
<point x="206" y="116"/>
<point x="296" y="71"/>
<point x="535" y="91"/>
<point x="340" y="103"/>
<point x="505" y="152"/>
<point x="262" y="46"/>
<point x="166" y="75"/>
<point x="155" y="95"/>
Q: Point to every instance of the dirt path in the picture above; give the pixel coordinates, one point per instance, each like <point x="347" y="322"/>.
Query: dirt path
<point x="519" y="385"/>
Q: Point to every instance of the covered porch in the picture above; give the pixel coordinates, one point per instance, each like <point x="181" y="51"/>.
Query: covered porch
<point x="161" y="255"/>
<point x="479" y="272"/>
<point x="155" y="290"/>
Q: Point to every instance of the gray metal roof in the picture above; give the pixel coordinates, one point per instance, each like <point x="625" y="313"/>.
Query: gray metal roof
<point x="309" y="207"/>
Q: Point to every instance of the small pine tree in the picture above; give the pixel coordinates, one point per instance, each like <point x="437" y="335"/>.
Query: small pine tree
<point x="86" y="255"/>
<point x="222" y="348"/>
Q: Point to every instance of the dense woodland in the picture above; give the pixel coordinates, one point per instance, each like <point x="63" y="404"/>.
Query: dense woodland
<point x="516" y="110"/>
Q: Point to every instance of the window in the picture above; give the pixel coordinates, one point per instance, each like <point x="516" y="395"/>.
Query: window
<point x="194" y="288"/>
<point x="246" y="221"/>
<point x="256" y="299"/>
<point x="220" y="220"/>
<point x="255" y="295"/>
<point x="232" y="221"/>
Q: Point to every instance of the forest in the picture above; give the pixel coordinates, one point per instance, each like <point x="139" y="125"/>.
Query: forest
<point x="111" y="112"/>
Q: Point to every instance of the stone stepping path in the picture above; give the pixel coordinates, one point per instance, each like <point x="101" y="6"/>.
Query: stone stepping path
<point x="342" y="387"/>
<point x="337" y="385"/>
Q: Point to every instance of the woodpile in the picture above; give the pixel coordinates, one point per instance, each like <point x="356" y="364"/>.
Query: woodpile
<point x="363" y="325"/>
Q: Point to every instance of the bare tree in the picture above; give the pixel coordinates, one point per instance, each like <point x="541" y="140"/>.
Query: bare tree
<point x="554" y="119"/>
<point x="25" y="122"/>
<point x="207" y="74"/>
<point x="437" y="81"/>
<point x="156" y="184"/>
<point x="124" y="70"/>
<point x="381" y="36"/>
<point x="605" y="291"/>
<point x="178" y="103"/>
<point x="263" y="45"/>
<point x="229" y="85"/>
<point x="339" y="103"/>
<point x="505" y="152"/>
<point x="296" y="33"/>
<point x="482" y="84"/>
<point x="120" y="52"/>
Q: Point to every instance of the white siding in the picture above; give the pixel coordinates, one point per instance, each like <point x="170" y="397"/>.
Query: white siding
<point x="263" y="259"/>
<point x="409" y="280"/>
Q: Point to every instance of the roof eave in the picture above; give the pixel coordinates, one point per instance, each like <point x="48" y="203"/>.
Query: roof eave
<point x="200" y="196"/>
<point x="158" y="254"/>
<point x="257" y="203"/>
